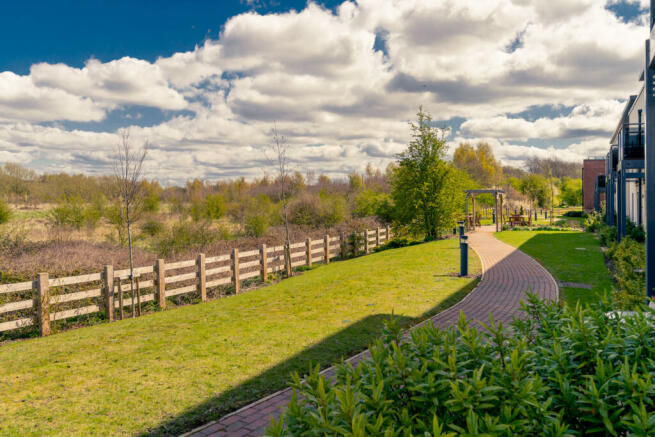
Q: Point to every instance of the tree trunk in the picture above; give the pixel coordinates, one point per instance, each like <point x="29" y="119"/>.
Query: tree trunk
<point x="287" y="241"/>
<point x="129" y="244"/>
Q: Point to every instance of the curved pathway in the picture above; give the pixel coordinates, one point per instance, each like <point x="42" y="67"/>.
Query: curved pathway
<point x="507" y="274"/>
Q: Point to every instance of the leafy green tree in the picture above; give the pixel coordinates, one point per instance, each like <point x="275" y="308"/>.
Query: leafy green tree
<point x="426" y="189"/>
<point x="480" y="164"/>
<point x="536" y="188"/>
<point x="571" y="191"/>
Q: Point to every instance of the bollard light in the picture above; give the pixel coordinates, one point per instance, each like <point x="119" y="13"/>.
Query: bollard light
<point x="464" y="256"/>
<point x="461" y="231"/>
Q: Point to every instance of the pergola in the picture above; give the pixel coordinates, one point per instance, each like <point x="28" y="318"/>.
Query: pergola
<point x="498" y="206"/>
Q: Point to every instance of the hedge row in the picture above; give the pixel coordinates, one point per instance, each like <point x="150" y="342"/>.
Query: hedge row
<point x="564" y="372"/>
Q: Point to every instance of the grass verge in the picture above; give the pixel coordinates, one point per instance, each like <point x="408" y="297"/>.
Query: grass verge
<point x="570" y="256"/>
<point x="167" y="372"/>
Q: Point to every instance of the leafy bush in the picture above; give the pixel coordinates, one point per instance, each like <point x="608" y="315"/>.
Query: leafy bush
<point x="636" y="232"/>
<point x="12" y="238"/>
<point x="5" y="212"/>
<point x="73" y="213"/>
<point x="317" y="210"/>
<point x="152" y="228"/>
<point x="607" y="235"/>
<point x="629" y="259"/>
<point x="573" y="214"/>
<point x="593" y="222"/>
<point x="370" y="203"/>
<point x="256" y="225"/>
<point x="215" y="206"/>
<point x="151" y="202"/>
<point x="566" y="371"/>
<point x="115" y="218"/>
<point x="396" y="243"/>
<point x="184" y="236"/>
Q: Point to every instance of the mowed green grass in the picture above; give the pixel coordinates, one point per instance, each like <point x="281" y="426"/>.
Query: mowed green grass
<point x="569" y="256"/>
<point x="167" y="372"/>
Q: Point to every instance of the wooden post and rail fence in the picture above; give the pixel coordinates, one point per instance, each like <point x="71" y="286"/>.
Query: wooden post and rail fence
<point x="46" y="300"/>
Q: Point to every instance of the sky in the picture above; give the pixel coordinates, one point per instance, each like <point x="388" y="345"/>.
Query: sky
<point x="205" y="82"/>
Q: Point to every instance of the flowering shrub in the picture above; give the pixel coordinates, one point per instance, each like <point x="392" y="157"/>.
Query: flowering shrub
<point x="565" y="371"/>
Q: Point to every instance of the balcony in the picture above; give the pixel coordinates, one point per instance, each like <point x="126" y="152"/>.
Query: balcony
<point x="633" y="141"/>
<point x="613" y="159"/>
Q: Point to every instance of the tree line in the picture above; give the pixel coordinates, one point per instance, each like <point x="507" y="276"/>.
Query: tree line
<point x="422" y="192"/>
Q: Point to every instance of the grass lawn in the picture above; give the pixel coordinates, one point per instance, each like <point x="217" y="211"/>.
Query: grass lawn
<point x="167" y="372"/>
<point x="570" y="256"/>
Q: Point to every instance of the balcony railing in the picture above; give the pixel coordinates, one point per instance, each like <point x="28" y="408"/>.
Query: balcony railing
<point x="633" y="141"/>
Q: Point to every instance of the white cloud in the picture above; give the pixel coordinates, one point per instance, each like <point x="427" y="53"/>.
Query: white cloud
<point x="21" y="100"/>
<point x="340" y="102"/>
<point x="123" y="81"/>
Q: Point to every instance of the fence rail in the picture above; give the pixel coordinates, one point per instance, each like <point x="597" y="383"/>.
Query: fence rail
<point x="45" y="300"/>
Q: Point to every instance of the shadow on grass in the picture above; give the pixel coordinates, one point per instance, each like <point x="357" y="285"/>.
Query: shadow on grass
<point x="341" y="345"/>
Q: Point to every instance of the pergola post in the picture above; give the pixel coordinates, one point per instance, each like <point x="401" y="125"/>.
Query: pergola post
<point x="473" y="216"/>
<point x="496" y="212"/>
<point x="500" y="210"/>
<point x="466" y="220"/>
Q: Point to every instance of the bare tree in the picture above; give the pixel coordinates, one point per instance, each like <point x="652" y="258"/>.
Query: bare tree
<point x="280" y="149"/>
<point x="128" y="167"/>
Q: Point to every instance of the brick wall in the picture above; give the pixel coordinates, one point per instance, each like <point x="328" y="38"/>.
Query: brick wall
<point x="590" y="169"/>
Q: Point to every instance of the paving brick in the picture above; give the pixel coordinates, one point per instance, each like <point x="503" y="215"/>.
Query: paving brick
<point x="508" y="274"/>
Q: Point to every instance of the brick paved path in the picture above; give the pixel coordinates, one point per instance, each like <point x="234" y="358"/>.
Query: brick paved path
<point x="507" y="274"/>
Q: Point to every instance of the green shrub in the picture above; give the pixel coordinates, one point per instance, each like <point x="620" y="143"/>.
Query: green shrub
<point x="115" y="218"/>
<point x="73" y="213"/>
<point x="607" y="235"/>
<point x="197" y="211"/>
<point x="184" y="236"/>
<point x="370" y="203"/>
<point x="396" y="243"/>
<point x="215" y="206"/>
<point x="333" y="210"/>
<point x="593" y="222"/>
<point x="636" y="232"/>
<point x="256" y="225"/>
<point x="152" y="228"/>
<point x="151" y="202"/>
<point x="12" y="238"/>
<point x="566" y="371"/>
<point x="305" y="210"/>
<point x="629" y="259"/>
<point x="5" y="212"/>
<point x="574" y="214"/>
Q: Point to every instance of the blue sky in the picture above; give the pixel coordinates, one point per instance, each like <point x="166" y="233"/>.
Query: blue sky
<point x="205" y="81"/>
<point x="71" y="31"/>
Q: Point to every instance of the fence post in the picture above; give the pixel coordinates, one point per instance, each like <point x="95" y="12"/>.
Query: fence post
<point x="388" y="234"/>
<point x="342" y="242"/>
<point x="366" y="242"/>
<point x="235" y="270"/>
<point x="202" y="277"/>
<point x="160" y="271"/>
<point x="308" y="250"/>
<point x="109" y="291"/>
<point x="43" y="304"/>
<point x="326" y="247"/>
<point x="377" y="236"/>
<point x="264" y="262"/>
